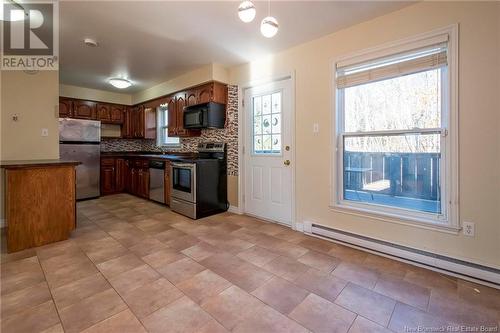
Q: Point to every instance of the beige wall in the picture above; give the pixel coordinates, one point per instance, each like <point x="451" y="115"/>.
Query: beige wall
<point x="34" y="99"/>
<point x="220" y="73"/>
<point x="203" y="74"/>
<point x="479" y="122"/>
<point x="232" y="190"/>
<point x="94" y="94"/>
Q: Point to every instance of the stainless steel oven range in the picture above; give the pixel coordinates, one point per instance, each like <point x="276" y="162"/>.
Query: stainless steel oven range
<point x="199" y="185"/>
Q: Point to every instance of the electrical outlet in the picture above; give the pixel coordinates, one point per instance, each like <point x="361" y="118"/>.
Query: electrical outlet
<point x="469" y="228"/>
<point x="45" y="132"/>
<point x="316" y="128"/>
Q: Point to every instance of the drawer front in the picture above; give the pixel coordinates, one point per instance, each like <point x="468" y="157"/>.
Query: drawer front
<point x="107" y="161"/>
<point x="183" y="207"/>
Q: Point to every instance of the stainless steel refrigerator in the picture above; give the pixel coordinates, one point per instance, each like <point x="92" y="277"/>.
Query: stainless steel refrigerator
<point x="79" y="140"/>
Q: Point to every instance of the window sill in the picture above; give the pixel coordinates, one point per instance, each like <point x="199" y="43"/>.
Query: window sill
<point x="394" y="218"/>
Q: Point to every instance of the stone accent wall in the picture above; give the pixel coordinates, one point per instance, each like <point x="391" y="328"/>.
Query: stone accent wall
<point x="229" y="135"/>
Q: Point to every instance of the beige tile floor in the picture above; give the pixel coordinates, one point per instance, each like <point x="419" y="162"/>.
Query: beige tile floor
<point x="135" y="266"/>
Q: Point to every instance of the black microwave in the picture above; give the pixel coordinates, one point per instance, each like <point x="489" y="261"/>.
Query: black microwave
<point x="206" y="115"/>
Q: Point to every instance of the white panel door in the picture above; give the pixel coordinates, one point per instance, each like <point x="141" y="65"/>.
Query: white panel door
<point x="268" y="151"/>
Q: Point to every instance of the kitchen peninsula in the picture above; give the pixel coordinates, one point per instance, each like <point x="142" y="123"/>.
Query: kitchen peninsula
<point x="39" y="202"/>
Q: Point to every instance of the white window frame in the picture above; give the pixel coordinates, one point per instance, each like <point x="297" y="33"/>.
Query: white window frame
<point x="161" y="111"/>
<point x="448" y="220"/>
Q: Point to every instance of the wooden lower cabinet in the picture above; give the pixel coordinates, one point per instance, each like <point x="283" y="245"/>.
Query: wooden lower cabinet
<point x="125" y="175"/>
<point x="121" y="172"/>
<point x="142" y="183"/>
<point x="40" y="205"/>
<point x="108" y="182"/>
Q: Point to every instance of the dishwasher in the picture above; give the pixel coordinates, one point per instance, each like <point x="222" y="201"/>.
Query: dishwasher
<point x="157" y="181"/>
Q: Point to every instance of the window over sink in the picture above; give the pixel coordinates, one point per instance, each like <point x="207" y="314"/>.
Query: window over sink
<point x="396" y="131"/>
<point x="162" y="138"/>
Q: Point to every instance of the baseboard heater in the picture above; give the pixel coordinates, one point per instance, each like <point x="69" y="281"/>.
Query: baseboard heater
<point x="466" y="270"/>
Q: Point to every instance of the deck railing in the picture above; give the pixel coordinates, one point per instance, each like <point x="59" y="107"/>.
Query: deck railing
<point x="414" y="175"/>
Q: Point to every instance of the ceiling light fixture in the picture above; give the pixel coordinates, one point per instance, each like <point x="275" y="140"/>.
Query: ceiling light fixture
<point x="120" y="83"/>
<point x="246" y="11"/>
<point x="269" y="25"/>
<point x="90" y="42"/>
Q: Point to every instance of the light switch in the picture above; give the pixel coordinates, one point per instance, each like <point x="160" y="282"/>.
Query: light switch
<point x="45" y="132"/>
<point x="315" y="128"/>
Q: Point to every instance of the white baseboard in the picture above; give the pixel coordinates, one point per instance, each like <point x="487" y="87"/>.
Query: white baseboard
<point x="433" y="261"/>
<point x="299" y="227"/>
<point x="234" y="210"/>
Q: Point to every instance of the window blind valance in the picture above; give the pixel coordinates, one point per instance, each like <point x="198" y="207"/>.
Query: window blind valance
<point x="406" y="63"/>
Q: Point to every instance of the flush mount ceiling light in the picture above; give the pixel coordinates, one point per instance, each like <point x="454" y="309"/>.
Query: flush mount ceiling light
<point x="90" y="42"/>
<point x="120" y="83"/>
<point x="246" y="11"/>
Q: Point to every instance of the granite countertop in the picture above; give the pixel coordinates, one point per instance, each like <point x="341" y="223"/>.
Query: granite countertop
<point x="137" y="152"/>
<point x="172" y="156"/>
<point x="35" y="163"/>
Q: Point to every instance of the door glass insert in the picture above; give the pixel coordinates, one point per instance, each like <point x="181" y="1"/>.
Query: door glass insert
<point x="267" y="124"/>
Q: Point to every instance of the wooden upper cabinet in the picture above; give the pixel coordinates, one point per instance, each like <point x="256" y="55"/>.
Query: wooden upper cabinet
<point x="104" y="112"/>
<point x="192" y="97"/>
<point x="218" y="93"/>
<point x="180" y="101"/>
<point x="110" y="113"/>
<point x="212" y="92"/>
<point x="149" y="123"/>
<point x="65" y="107"/>
<point x="85" y="110"/>
<point x="205" y="94"/>
<point x="116" y="113"/>
<point x="138" y="123"/>
<point x="127" y="130"/>
<point x="172" y="117"/>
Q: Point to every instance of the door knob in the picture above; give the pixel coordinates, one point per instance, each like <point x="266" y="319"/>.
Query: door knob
<point x="286" y="162"/>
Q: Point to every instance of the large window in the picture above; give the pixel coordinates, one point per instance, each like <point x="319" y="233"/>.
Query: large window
<point x="394" y="150"/>
<point x="162" y="138"/>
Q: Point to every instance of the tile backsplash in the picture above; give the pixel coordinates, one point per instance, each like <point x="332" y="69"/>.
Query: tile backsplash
<point x="229" y="135"/>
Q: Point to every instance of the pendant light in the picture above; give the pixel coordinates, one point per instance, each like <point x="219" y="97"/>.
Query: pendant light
<point x="269" y="25"/>
<point x="246" y="11"/>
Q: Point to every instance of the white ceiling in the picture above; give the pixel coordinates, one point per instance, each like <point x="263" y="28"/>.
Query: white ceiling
<point x="151" y="42"/>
